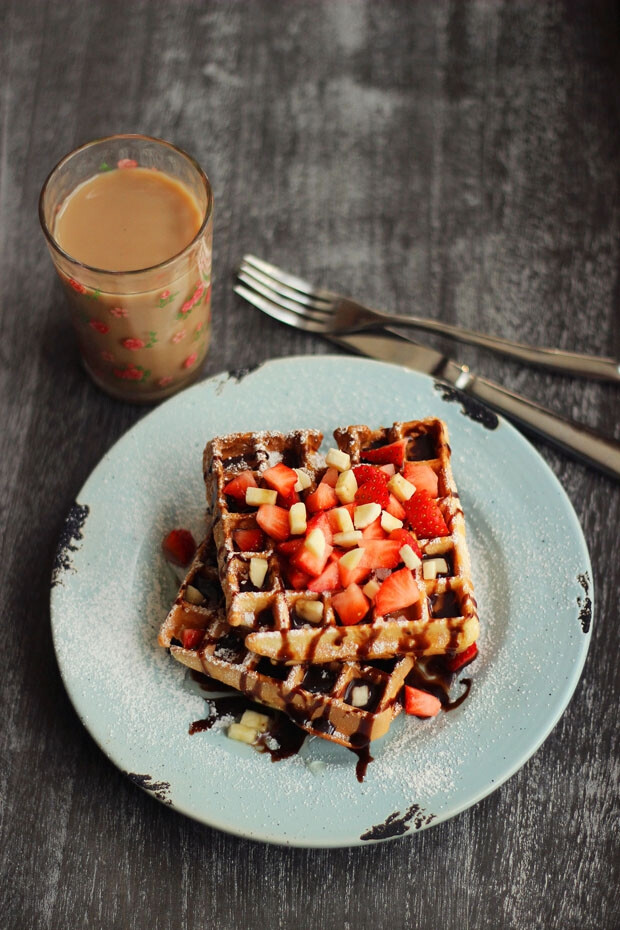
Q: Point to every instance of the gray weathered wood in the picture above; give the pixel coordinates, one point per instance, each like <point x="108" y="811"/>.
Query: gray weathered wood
<point x="459" y="158"/>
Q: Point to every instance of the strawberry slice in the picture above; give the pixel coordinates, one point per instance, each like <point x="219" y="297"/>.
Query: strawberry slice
<point x="249" y="540"/>
<point x="420" y="703"/>
<point x="398" y="591"/>
<point x="393" y="454"/>
<point x="274" y="521"/>
<point x="239" y="484"/>
<point x="289" y="547"/>
<point x="406" y="539"/>
<point x="351" y="575"/>
<point x="324" y="498"/>
<point x="422" y="477"/>
<point x="287" y="502"/>
<point x="364" y="473"/>
<point x="179" y="547"/>
<point x="395" y="507"/>
<point x="321" y="520"/>
<point x="309" y="562"/>
<point x="425" y="517"/>
<point x="328" y="580"/>
<point x="373" y="491"/>
<point x="281" y="478"/>
<point x="297" y="579"/>
<point x="351" y="605"/>
<point x="381" y="553"/>
<point x="374" y="530"/>
<point x="330" y="477"/>
<point x="454" y="663"/>
<point x="191" y="639"/>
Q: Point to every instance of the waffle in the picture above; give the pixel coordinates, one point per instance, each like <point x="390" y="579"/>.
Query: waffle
<point x="444" y="620"/>
<point x="318" y="698"/>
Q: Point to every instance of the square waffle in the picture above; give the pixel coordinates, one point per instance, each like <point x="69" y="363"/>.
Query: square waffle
<point x="348" y="703"/>
<point x="442" y="620"/>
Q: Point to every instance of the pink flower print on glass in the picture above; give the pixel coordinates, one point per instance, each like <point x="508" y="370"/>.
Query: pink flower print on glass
<point x="187" y="306"/>
<point x="127" y="163"/>
<point x="133" y="344"/>
<point x="100" y="327"/>
<point x="80" y="288"/>
<point x="118" y="312"/>
<point x="164" y="294"/>
<point x="189" y="361"/>
<point x="164" y="382"/>
<point x="178" y="336"/>
<point x="107" y="356"/>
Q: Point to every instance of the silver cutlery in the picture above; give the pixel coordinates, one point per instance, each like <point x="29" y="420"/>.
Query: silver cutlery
<point x="331" y="314"/>
<point x="578" y="440"/>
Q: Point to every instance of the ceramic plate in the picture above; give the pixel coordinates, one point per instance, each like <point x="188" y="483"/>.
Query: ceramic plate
<point x="112" y="588"/>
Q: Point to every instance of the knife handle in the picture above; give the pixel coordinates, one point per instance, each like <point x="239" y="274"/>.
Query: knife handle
<point x="579" y="440"/>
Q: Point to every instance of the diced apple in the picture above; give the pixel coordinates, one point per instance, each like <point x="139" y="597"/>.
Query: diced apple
<point x="365" y="514"/>
<point x="193" y="596"/>
<point x="315" y="542"/>
<point x="335" y="458"/>
<point x="390" y="523"/>
<point x="402" y="489"/>
<point x="432" y="567"/>
<point x="258" y="570"/>
<point x="243" y="734"/>
<point x="254" y="720"/>
<point x="303" y="480"/>
<point x="360" y="695"/>
<point x="297" y="519"/>
<point x="370" y="589"/>
<point x="254" y="497"/>
<point x="409" y="557"/>
<point x="346" y="487"/>
<point x="342" y="519"/>
<point x="348" y="540"/>
<point x="311" y="611"/>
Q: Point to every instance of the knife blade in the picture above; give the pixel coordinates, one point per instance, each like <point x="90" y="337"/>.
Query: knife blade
<point x="574" y="438"/>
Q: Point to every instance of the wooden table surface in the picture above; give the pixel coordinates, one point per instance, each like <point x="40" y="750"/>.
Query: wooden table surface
<point x="458" y="159"/>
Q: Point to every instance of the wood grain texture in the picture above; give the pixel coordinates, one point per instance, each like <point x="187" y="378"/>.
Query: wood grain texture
<point x="459" y="159"/>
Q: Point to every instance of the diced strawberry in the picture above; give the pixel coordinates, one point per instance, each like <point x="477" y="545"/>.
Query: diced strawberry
<point x="425" y="517"/>
<point x="373" y="491"/>
<point x="249" y="540"/>
<point x="364" y="473"/>
<point x="321" y="520"/>
<point x="330" y="477"/>
<point x="454" y="663"/>
<point x="374" y="530"/>
<point x="422" y="477"/>
<point x="389" y="470"/>
<point x="328" y="580"/>
<point x="281" y="478"/>
<point x="324" y="498"/>
<point x="191" y="639"/>
<point x="399" y="590"/>
<point x="351" y="605"/>
<point x="336" y="553"/>
<point x="394" y="453"/>
<point x="381" y="553"/>
<point x="289" y="547"/>
<point x="420" y="703"/>
<point x="287" y="502"/>
<point x="406" y="539"/>
<point x="239" y="484"/>
<point x="179" y="547"/>
<point x="353" y="575"/>
<point x="395" y="507"/>
<point x="310" y="563"/>
<point x="298" y="580"/>
<point x="274" y="521"/>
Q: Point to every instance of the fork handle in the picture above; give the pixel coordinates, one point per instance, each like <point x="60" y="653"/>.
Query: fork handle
<point x="569" y="363"/>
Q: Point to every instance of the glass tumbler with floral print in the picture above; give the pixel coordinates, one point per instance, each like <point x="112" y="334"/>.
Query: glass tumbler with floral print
<point x="129" y="224"/>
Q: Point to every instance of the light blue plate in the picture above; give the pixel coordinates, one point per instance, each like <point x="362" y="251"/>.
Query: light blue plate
<point x="112" y="589"/>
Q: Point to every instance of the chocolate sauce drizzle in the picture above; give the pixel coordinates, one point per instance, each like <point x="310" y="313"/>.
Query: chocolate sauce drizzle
<point x="585" y="603"/>
<point x="397" y="824"/>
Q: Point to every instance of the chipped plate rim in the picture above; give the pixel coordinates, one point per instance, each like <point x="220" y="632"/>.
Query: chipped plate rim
<point x="109" y="592"/>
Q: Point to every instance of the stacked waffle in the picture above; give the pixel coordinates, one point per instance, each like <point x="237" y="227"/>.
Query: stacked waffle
<point x="323" y="580"/>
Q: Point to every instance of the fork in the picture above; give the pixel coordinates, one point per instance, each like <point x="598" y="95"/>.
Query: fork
<point x="320" y="311"/>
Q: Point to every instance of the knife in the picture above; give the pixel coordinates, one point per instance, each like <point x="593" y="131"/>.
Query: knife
<point x="579" y="441"/>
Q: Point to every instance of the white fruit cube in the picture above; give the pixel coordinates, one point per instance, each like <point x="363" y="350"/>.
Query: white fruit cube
<point x="360" y="695"/>
<point x="432" y="567"/>
<point x="409" y="557"/>
<point x="348" y="540"/>
<point x="352" y="558"/>
<point x="390" y="523"/>
<point x="343" y="520"/>
<point x="297" y="519"/>
<point x="365" y="514"/>
<point x="311" y="611"/>
<point x="401" y="488"/>
<point x="337" y="459"/>
<point x="370" y="589"/>
<point x="242" y="733"/>
<point x="255" y="497"/>
<point x="315" y="542"/>
<point x="346" y="487"/>
<point x="254" y="720"/>
<point x="193" y="596"/>
<point x="258" y="570"/>
<point x="303" y="479"/>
